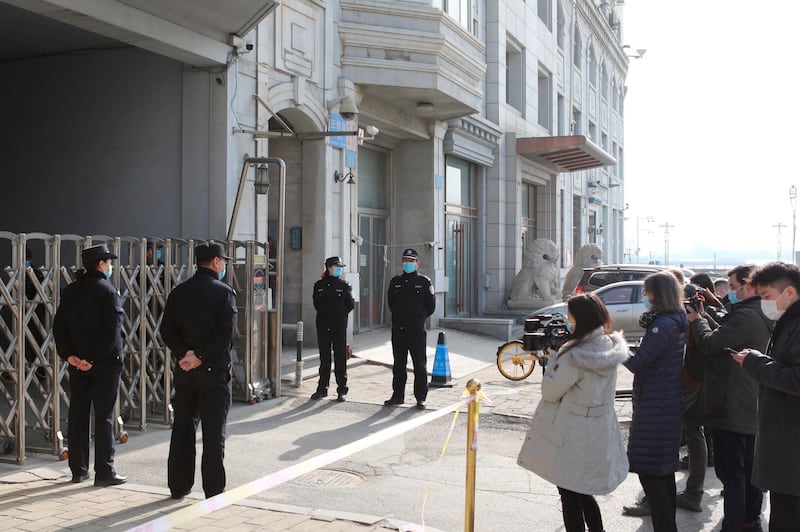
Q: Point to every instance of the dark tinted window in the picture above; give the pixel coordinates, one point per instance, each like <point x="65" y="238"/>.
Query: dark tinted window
<point x="618" y="295"/>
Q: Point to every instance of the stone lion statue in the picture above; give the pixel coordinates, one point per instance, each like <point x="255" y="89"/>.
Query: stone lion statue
<point x="538" y="279"/>
<point x="588" y="256"/>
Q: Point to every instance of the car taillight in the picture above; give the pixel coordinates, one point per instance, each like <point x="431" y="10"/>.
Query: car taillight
<point x="579" y="289"/>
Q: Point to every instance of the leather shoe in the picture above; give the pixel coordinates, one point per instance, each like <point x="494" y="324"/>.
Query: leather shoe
<point x="392" y="401"/>
<point x="341" y="398"/>
<point x="77" y="479"/>
<point x="640" y="509"/>
<point x="177" y="495"/>
<point x="319" y="394"/>
<point x="113" y="480"/>
<point x="683" y="501"/>
<point x="421" y="405"/>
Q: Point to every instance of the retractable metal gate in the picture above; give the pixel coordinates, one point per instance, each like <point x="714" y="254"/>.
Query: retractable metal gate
<point x="34" y="381"/>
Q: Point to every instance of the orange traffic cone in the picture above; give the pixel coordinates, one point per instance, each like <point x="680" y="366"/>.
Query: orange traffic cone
<point x="440" y="377"/>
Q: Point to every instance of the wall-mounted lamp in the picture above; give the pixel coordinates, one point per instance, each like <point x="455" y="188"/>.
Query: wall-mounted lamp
<point x="347" y="107"/>
<point x="339" y="177"/>
<point x="262" y="179"/>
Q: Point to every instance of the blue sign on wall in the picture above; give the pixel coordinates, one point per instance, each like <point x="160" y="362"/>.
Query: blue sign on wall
<point x="338" y="123"/>
<point x="350" y="158"/>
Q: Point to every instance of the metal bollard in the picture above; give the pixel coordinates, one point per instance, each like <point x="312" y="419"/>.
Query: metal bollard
<point x="298" y="370"/>
<point x="473" y="387"/>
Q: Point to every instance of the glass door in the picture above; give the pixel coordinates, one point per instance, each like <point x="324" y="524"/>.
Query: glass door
<point x="460" y="253"/>
<point x="372" y="271"/>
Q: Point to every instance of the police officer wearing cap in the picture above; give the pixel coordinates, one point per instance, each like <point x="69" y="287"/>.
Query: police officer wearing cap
<point x="333" y="300"/>
<point x="411" y="300"/>
<point x="88" y="332"/>
<point x="199" y="326"/>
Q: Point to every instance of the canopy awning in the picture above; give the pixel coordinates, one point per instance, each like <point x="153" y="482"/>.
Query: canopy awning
<point x="564" y="154"/>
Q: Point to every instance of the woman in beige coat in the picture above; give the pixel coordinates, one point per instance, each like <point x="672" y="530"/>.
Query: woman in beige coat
<point x="575" y="441"/>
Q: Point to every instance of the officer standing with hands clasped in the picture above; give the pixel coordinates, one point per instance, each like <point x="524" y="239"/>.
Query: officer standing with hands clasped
<point x="199" y="325"/>
<point x="333" y="300"/>
<point x="411" y="300"/>
<point x="88" y="333"/>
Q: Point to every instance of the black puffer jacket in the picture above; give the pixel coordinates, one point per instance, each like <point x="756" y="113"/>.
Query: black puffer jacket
<point x="657" y="421"/>
<point x="730" y="395"/>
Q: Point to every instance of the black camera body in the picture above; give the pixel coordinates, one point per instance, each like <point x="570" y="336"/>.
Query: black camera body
<point x="694" y="296"/>
<point x="544" y="332"/>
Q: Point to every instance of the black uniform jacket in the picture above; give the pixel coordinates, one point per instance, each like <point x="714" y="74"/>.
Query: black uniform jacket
<point x="411" y="300"/>
<point x="201" y="316"/>
<point x="88" y="322"/>
<point x="333" y="300"/>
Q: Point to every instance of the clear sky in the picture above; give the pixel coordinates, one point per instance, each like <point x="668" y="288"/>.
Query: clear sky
<point x="711" y="128"/>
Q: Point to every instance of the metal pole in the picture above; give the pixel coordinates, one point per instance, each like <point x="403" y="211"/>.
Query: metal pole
<point x="793" y="200"/>
<point x="298" y="370"/>
<point x="473" y="387"/>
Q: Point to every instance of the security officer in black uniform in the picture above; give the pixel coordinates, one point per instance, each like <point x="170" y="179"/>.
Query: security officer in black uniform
<point x="88" y="333"/>
<point x="411" y="300"/>
<point x="199" y="326"/>
<point x="333" y="300"/>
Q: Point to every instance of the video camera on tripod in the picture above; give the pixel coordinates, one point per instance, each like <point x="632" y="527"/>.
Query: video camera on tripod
<point x="545" y="332"/>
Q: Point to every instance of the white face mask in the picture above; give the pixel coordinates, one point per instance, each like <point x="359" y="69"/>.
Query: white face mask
<point x="770" y="308"/>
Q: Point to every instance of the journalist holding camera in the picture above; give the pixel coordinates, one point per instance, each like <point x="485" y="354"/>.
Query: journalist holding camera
<point x="576" y="413"/>
<point x="730" y="396"/>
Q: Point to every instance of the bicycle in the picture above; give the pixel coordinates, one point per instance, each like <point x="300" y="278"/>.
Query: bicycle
<point x="516" y="363"/>
<point x="516" y="360"/>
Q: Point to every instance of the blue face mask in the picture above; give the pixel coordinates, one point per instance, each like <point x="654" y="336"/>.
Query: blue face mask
<point x="646" y="302"/>
<point x="733" y="297"/>
<point x="27" y="264"/>
<point x="409" y="267"/>
<point x="568" y="326"/>
<point x="109" y="271"/>
<point x="223" y="272"/>
<point x="159" y="254"/>
<point x="337" y="271"/>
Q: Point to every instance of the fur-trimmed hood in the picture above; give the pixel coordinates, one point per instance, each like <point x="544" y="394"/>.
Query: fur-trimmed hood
<point x="598" y="352"/>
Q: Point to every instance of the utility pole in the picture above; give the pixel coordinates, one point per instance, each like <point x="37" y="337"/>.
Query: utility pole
<point x="649" y="220"/>
<point x="793" y="201"/>
<point x="666" y="226"/>
<point x="779" y="226"/>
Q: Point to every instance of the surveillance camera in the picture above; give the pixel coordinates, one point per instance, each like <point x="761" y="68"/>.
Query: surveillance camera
<point x="372" y="131"/>
<point x="347" y="108"/>
<point x="249" y="46"/>
<point x="220" y="79"/>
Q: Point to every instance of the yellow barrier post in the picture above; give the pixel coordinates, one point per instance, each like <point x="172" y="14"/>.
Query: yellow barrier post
<point x="473" y="387"/>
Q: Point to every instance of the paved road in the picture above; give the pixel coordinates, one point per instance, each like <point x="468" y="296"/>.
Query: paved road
<point x="380" y="488"/>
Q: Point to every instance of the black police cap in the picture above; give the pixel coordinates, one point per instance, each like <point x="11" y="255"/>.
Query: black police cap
<point x="98" y="252"/>
<point x="208" y="252"/>
<point x="334" y="261"/>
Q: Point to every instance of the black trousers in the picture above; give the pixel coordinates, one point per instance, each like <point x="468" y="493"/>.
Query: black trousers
<point x="202" y="395"/>
<point x="332" y="336"/>
<point x="96" y="388"/>
<point x="405" y="341"/>
<point x="784" y="512"/>
<point x="580" y="511"/>
<point x="660" y="493"/>
<point x="733" y="463"/>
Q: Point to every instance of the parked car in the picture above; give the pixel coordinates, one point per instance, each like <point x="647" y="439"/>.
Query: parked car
<point x="594" y="278"/>
<point x="624" y="303"/>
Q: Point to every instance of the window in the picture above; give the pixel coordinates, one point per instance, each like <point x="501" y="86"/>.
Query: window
<point x="592" y="66"/>
<point x="372" y="179"/>
<point x="463" y="11"/>
<point x="592" y="131"/>
<point x="560" y="26"/>
<point x="576" y="128"/>
<point x="460" y="183"/>
<point x="604" y="82"/>
<point x="617" y="296"/>
<point x="562" y="126"/>
<point x="544" y="91"/>
<point x="529" y="205"/>
<point x="604" y="140"/>
<point x="543" y="10"/>
<point x="577" y="49"/>
<point x="515" y="76"/>
<point x="614" y="96"/>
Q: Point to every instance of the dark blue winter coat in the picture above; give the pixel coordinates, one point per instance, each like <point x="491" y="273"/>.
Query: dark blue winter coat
<point x="658" y="396"/>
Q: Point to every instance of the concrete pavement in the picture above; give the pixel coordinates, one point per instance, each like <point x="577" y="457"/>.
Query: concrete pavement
<point x="40" y="497"/>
